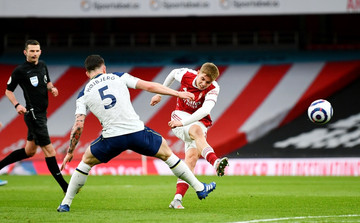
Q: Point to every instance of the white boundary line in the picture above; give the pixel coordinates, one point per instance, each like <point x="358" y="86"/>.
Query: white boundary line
<point x="295" y="218"/>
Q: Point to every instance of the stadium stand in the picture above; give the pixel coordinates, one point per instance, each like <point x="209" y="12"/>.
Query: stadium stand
<point x="269" y="74"/>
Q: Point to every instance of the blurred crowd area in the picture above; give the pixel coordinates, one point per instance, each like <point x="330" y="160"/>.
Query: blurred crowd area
<point x="293" y="32"/>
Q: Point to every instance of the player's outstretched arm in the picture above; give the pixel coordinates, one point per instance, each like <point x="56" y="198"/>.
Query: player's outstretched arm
<point x="168" y="82"/>
<point x="161" y="89"/>
<point x="75" y="134"/>
<point x="155" y="99"/>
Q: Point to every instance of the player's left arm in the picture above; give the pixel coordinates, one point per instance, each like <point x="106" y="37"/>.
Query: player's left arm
<point x="175" y="74"/>
<point x="196" y="116"/>
<point x="161" y="89"/>
<point x="204" y="110"/>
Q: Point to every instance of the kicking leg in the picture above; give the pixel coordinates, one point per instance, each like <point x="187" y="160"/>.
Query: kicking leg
<point x="197" y="134"/>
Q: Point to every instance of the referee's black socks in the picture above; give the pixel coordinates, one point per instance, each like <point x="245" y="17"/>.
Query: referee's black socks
<point x="55" y="171"/>
<point x="13" y="157"/>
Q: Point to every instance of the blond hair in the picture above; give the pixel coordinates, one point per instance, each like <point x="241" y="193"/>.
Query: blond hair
<point x="210" y="70"/>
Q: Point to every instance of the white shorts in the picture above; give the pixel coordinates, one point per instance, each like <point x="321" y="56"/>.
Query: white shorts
<point x="183" y="132"/>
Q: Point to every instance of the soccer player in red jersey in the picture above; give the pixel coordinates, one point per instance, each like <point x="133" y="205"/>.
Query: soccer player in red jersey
<point x="191" y="119"/>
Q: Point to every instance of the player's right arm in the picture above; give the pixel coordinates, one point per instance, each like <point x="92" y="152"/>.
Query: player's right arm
<point x="76" y="130"/>
<point x="75" y="134"/>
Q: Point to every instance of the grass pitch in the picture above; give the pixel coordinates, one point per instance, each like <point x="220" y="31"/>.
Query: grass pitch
<point x="146" y="199"/>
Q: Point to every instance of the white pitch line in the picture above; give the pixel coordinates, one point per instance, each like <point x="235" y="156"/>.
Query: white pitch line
<point x="295" y="218"/>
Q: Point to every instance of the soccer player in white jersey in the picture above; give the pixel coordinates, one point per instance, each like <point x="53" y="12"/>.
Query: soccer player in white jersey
<point x="191" y="119"/>
<point x="107" y="97"/>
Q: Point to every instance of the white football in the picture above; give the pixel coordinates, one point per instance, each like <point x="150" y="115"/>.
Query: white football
<point x="320" y="111"/>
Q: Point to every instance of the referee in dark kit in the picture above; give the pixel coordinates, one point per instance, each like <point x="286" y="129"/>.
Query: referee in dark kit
<point x="33" y="78"/>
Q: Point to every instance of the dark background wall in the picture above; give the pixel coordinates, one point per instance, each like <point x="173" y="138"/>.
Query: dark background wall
<point x="299" y="32"/>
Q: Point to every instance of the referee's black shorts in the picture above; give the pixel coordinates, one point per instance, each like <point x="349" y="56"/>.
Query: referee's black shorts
<point x="37" y="128"/>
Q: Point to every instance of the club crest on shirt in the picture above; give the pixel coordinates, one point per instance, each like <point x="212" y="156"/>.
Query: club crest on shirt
<point x="34" y="81"/>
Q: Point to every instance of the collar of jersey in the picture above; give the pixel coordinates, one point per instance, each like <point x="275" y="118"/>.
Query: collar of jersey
<point x="96" y="76"/>
<point x="194" y="83"/>
<point x="31" y="64"/>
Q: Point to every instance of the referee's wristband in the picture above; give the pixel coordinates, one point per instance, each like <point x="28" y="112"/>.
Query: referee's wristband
<point x="17" y="105"/>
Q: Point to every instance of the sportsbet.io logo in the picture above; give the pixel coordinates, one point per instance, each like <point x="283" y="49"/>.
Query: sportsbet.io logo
<point x="225" y="4"/>
<point x="245" y="4"/>
<point x="85" y="5"/>
<point x="178" y="5"/>
<point x="154" y="4"/>
<point x="108" y="6"/>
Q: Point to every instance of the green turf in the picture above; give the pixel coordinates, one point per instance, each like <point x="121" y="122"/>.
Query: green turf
<point x="146" y="199"/>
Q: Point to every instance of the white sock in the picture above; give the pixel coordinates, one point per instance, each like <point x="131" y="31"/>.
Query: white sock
<point x="77" y="180"/>
<point x="205" y="152"/>
<point x="182" y="171"/>
<point x="178" y="197"/>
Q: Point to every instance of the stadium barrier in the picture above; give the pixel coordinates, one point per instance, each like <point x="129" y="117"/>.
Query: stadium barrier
<point x="345" y="166"/>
